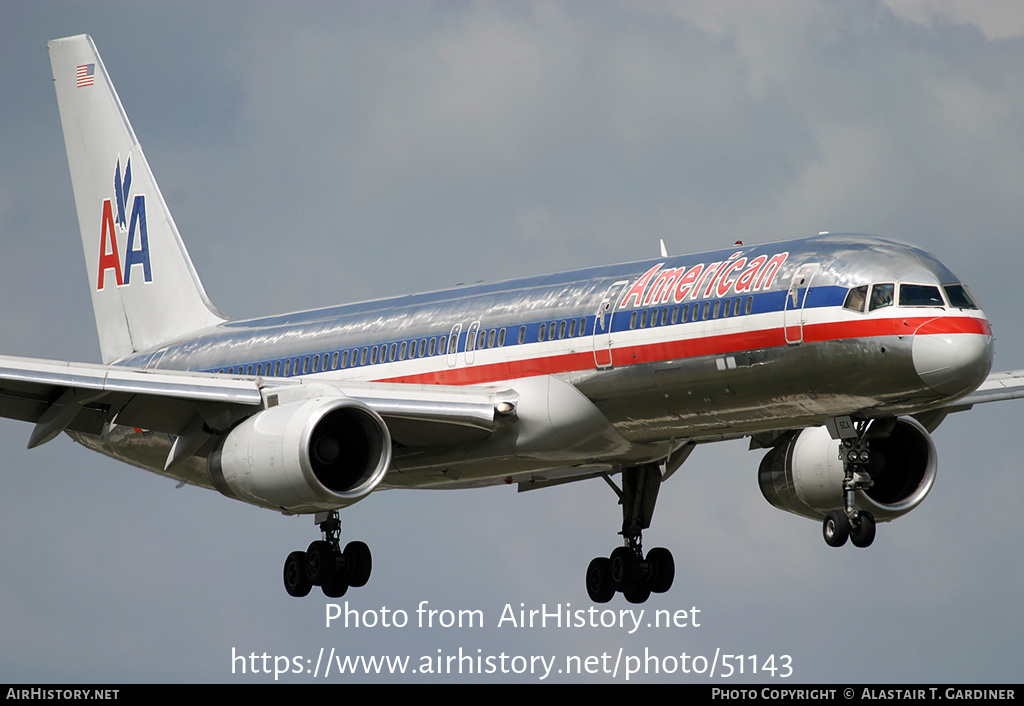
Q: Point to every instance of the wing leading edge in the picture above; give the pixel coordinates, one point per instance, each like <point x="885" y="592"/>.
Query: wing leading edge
<point x="997" y="387"/>
<point x="62" y="396"/>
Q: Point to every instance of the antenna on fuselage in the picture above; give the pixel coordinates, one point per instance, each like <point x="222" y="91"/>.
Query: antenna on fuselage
<point x="664" y="250"/>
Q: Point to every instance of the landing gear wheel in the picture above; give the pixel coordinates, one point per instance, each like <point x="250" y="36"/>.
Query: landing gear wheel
<point x="663" y="569"/>
<point x="320" y="563"/>
<point x="336" y="588"/>
<point x="640" y="594"/>
<point x="624" y="569"/>
<point x="296" y="583"/>
<point x="863" y="534"/>
<point x="358" y="563"/>
<point x="836" y="528"/>
<point x="599" y="580"/>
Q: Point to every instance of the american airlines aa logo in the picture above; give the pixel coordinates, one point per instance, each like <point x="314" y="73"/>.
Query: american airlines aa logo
<point x="136" y="250"/>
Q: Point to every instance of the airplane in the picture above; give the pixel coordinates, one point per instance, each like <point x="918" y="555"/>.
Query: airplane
<point x="837" y="355"/>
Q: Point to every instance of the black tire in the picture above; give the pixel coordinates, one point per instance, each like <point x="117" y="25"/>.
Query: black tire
<point x="864" y="533"/>
<point x="296" y="583"/>
<point x="336" y="588"/>
<point x="321" y="563"/>
<point x="835" y="528"/>
<point x="625" y="569"/>
<point x="663" y="569"/>
<point x="599" y="580"/>
<point x="358" y="564"/>
<point x="640" y="594"/>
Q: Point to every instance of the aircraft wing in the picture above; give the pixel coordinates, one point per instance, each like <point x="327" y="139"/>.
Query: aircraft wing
<point x="1007" y="385"/>
<point x="59" y="396"/>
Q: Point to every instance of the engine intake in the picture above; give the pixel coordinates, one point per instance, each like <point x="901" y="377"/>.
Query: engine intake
<point x="803" y="473"/>
<point x="310" y="456"/>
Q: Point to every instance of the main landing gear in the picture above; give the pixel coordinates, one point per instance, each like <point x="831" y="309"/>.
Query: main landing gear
<point x="849" y="523"/>
<point x="627" y="569"/>
<point x="324" y="564"/>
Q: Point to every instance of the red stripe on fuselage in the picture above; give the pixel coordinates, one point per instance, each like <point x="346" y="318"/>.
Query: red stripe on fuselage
<point x="837" y="331"/>
<point x="695" y="348"/>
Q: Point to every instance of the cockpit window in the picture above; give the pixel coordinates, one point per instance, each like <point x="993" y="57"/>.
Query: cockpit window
<point x="856" y="298"/>
<point x="881" y="295"/>
<point x="959" y="296"/>
<point x="920" y="295"/>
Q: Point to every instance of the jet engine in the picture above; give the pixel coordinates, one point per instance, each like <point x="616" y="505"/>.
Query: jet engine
<point x="803" y="473"/>
<point x="308" y="456"/>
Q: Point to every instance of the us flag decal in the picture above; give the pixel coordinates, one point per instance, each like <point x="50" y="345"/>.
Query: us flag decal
<point x="84" y="74"/>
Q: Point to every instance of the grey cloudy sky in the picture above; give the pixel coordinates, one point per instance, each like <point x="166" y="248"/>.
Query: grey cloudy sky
<point x="321" y="153"/>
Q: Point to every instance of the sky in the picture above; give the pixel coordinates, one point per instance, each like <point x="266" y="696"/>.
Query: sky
<point x="320" y="153"/>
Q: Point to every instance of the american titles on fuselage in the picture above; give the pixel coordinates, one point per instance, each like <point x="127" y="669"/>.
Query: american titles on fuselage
<point x="734" y="275"/>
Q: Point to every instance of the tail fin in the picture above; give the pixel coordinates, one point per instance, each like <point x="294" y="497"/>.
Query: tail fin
<point x="145" y="290"/>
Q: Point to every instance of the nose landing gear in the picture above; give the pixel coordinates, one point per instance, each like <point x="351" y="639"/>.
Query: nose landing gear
<point x="849" y="523"/>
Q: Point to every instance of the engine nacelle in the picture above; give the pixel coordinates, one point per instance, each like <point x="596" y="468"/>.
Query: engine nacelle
<point x="309" y="456"/>
<point x="803" y="473"/>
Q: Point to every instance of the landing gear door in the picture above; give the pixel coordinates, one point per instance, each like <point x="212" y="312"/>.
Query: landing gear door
<point x="603" y="325"/>
<point x="796" y="297"/>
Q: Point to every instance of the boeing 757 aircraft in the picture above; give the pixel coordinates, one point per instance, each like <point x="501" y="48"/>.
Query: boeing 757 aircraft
<point x="836" y="355"/>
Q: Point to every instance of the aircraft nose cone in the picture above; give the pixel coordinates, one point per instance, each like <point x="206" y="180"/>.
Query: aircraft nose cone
<point x="951" y="363"/>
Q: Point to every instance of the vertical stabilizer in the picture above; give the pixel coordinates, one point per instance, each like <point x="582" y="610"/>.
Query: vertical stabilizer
<point x="144" y="288"/>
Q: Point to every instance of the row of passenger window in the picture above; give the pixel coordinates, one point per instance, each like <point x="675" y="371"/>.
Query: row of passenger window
<point x="720" y="308"/>
<point x="398" y="351"/>
<point x="569" y="328"/>
<point x="367" y="355"/>
<point x="485" y="339"/>
<point x="478" y="340"/>
<point x="883" y="295"/>
<point x="873" y="296"/>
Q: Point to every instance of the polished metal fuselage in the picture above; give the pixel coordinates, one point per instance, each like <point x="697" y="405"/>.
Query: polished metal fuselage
<point x="700" y="347"/>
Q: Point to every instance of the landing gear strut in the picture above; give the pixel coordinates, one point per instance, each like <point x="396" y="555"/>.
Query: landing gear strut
<point x="627" y="569"/>
<point x="850" y="523"/>
<point x="324" y="564"/>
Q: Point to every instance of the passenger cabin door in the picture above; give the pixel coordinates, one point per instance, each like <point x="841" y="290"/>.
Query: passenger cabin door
<point x="603" y="325"/>
<point x="453" y="345"/>
<point x="154" y="362"/>
<point x="796" y="297"/>
<point x="471" y="341"/>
